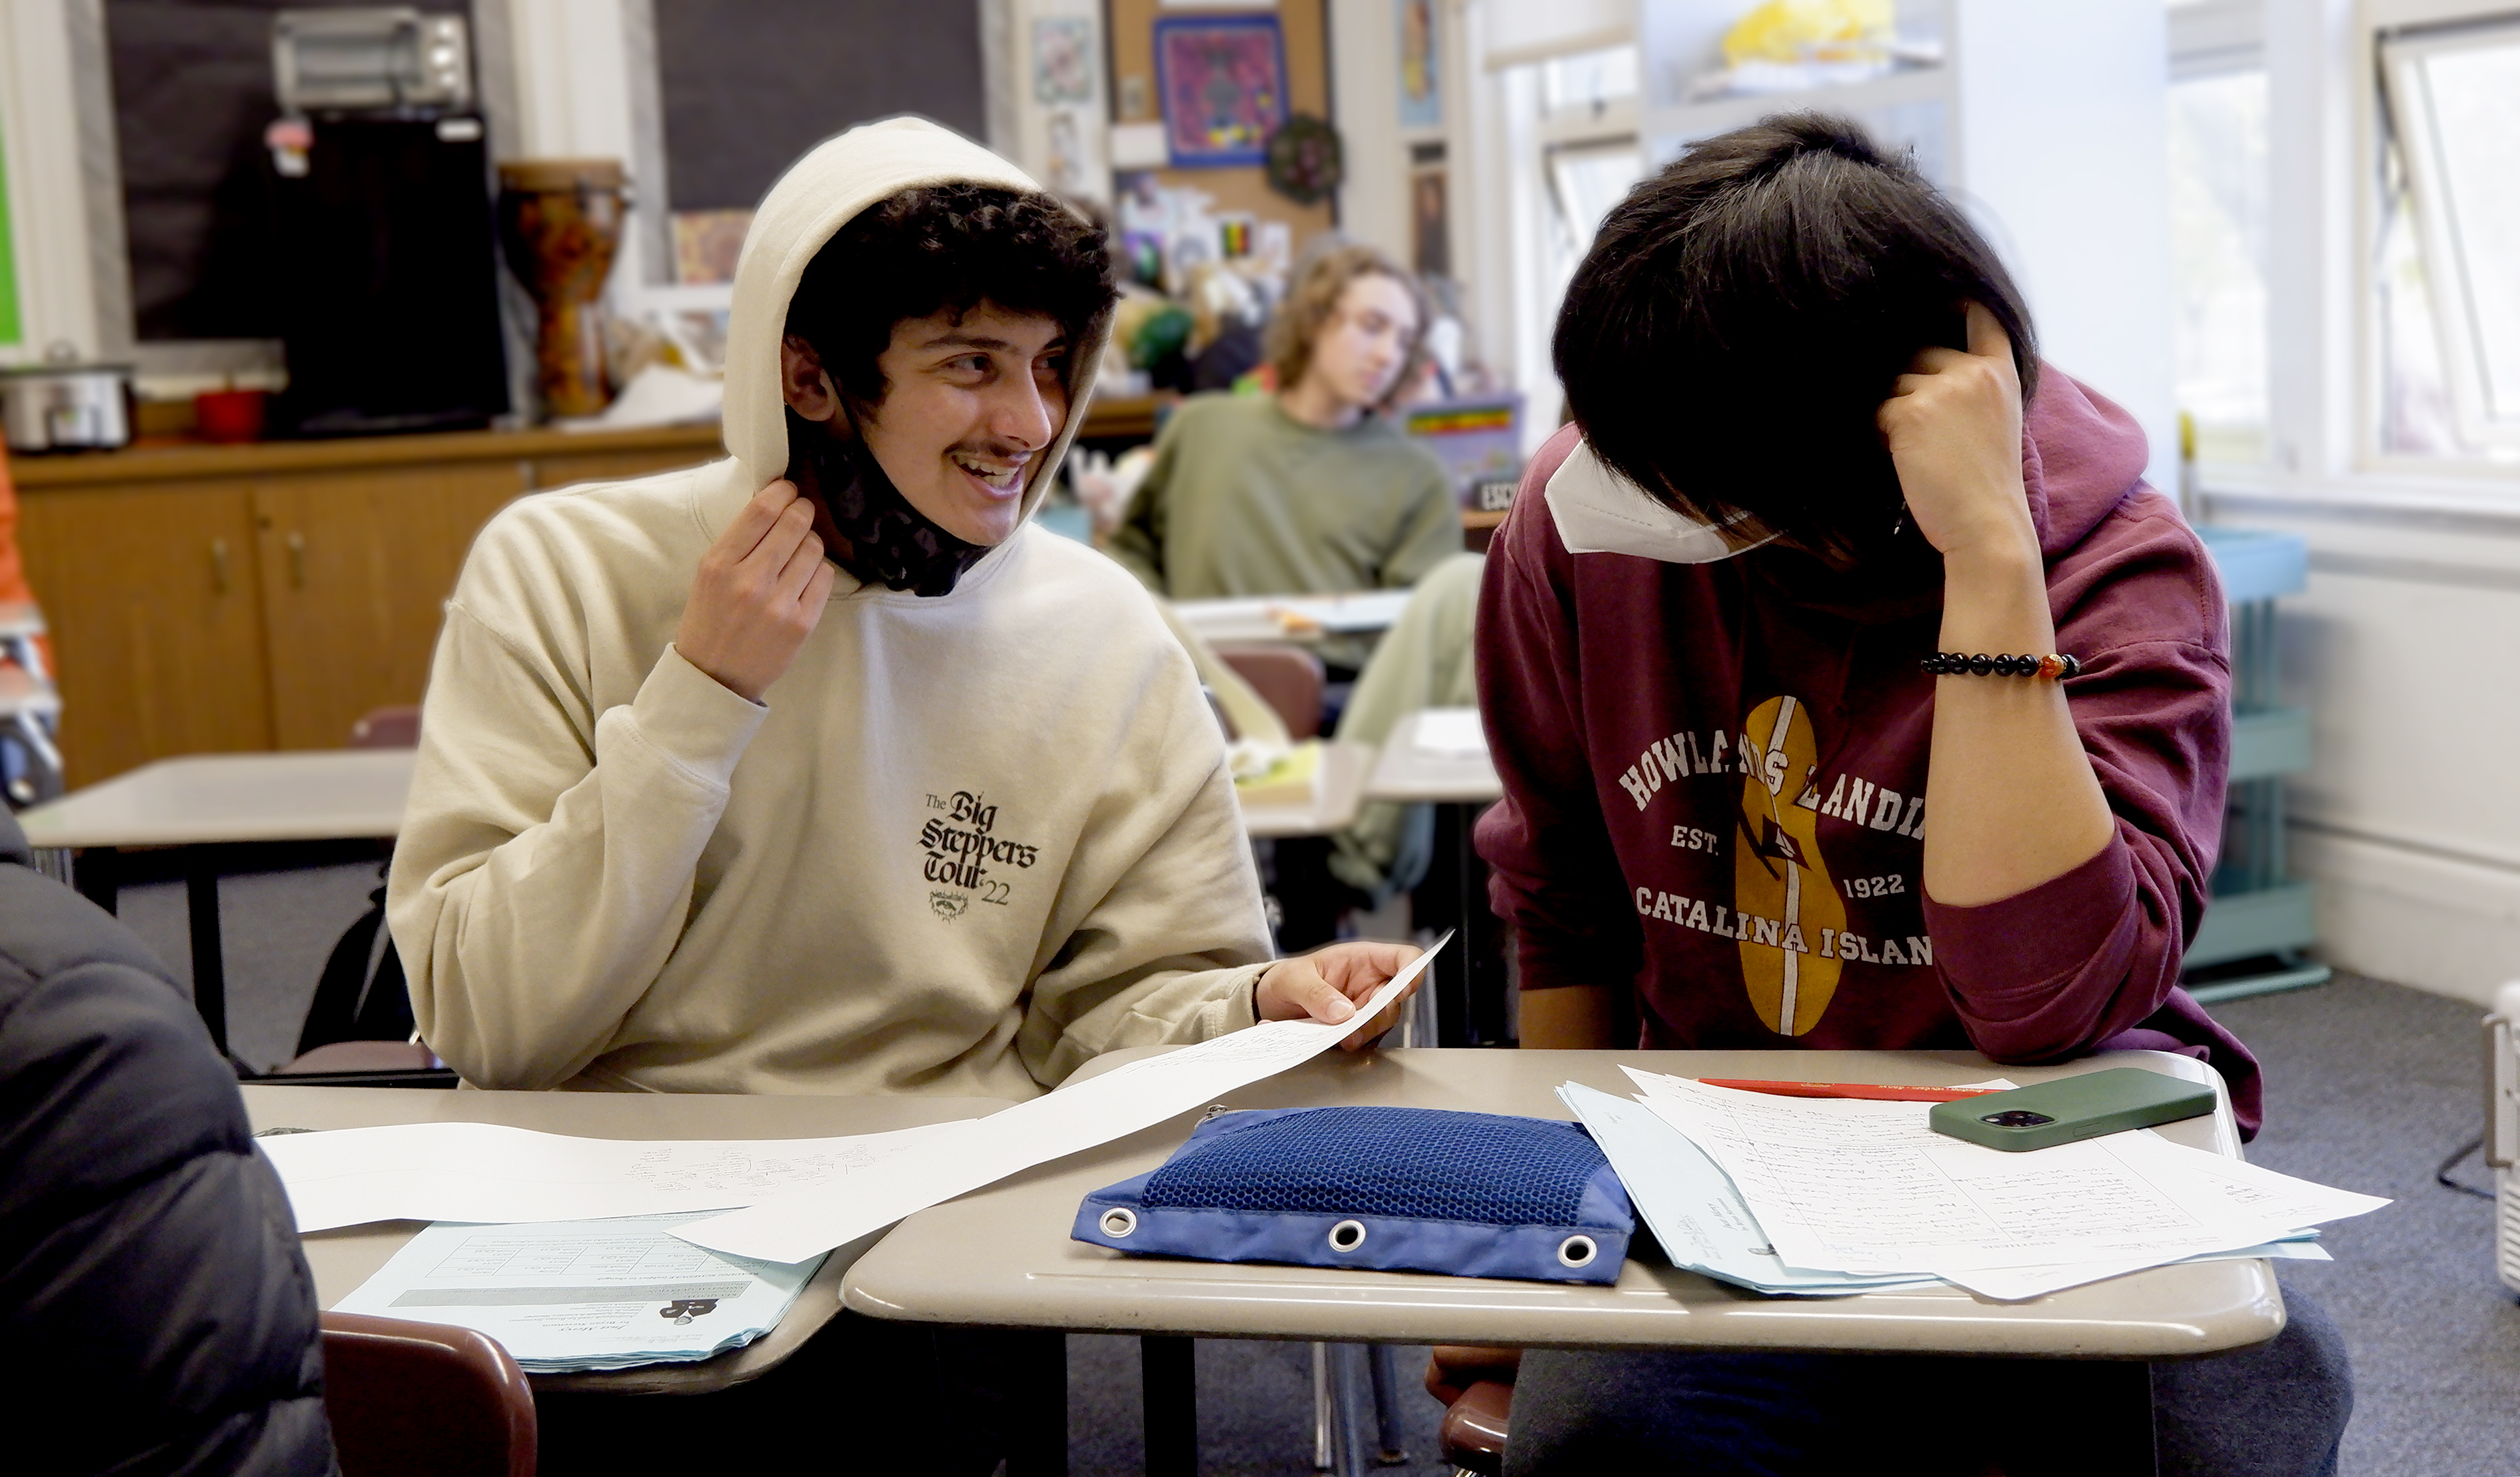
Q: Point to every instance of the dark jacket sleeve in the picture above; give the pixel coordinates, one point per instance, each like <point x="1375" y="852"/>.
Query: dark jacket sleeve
<point x="1552" y="872"/>
<point x="2079" y="959"/>
<point x="149" y="1262"/>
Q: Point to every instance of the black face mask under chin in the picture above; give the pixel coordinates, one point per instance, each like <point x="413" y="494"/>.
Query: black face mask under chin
<point x="890" y="543"/>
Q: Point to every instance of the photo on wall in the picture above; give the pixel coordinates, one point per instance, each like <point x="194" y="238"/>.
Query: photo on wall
<point x="1421" y="88"/>
<point x="1223" y="81"/>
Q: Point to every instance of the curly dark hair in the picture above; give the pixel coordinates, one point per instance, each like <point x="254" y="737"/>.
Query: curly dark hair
<point x="1742" y="315"/>
<point x="944" y="247"/>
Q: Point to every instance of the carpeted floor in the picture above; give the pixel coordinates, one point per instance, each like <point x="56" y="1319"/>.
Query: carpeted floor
<point x="2369" y="1086"/>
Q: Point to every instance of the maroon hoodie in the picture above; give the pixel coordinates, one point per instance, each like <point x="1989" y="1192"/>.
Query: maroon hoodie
<point x="1714" y="776"/>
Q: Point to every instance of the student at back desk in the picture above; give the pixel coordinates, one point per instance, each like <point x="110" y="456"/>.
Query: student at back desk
<point x="1310" y="490"/>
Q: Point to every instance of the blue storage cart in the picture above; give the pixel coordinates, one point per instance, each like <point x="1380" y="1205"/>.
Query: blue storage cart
<point x="2259" y="910"/>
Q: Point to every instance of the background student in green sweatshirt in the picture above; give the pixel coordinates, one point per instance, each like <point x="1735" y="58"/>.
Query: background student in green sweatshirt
<point x="1310" y="490"/>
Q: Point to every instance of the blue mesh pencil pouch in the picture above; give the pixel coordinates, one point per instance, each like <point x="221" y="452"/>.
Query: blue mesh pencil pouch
<point x="1416" y="1190"/>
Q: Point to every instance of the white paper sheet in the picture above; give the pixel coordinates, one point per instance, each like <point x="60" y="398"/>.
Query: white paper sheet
<point x="486" y="1171"/>
<point x="2015" y="1284"/>
<point x="1692" y="1209"/>
<point x="603" y="1294"/>
<point x="1868" y="1188"/>
<point x="794" y="1225"/>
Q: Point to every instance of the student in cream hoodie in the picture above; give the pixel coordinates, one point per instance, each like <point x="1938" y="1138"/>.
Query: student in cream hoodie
<point x="819" y="769"/>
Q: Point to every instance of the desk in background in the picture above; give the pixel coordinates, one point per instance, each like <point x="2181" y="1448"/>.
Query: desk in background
<point x="208" y="805"/>
<point x="1002" y="1257"/>
<point x="1470" y="985"/>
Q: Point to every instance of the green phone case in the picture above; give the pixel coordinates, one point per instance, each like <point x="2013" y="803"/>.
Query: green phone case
<point x="2073" y="1107"/>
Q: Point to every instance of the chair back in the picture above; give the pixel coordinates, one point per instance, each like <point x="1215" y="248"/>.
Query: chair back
<point x="424" y="1399"/>
<point x="387" y="728"/>
<point x="1289" y="678"/>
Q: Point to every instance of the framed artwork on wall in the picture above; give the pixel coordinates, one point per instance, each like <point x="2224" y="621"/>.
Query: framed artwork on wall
<point x="1222" y="80"/>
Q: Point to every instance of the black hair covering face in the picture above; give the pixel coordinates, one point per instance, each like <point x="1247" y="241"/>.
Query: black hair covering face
<point x="890" y="543"/>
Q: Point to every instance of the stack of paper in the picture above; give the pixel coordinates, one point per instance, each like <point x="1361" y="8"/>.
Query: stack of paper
<point x="1834" y="1195"/>
<point x="564" y="1295"/>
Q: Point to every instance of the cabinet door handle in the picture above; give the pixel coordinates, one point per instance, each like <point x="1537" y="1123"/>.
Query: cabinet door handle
<point x="296" y="560"/>
<point x="219" y="567"/>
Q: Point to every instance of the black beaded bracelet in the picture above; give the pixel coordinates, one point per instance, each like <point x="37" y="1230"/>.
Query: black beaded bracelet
<point x="1958" y="664"/>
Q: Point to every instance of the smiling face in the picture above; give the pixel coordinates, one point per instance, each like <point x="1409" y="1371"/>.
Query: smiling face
<point x="1364" y="343"/>
<point x="969" y="402"/>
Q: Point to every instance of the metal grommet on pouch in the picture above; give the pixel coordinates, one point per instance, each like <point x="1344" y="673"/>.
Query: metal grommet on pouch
<point x="1120" y="1221"/>
<point x="1577" y="1251"/>
<point x="1347" y="1235"/>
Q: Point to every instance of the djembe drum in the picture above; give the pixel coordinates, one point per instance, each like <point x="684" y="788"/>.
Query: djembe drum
<point x="561" y="222"/>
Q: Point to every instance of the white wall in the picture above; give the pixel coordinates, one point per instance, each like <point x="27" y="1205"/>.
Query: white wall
<point x="2403" y="649"/>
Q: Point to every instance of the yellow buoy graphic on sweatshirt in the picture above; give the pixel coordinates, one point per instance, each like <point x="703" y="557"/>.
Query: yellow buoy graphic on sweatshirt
<point x="1785" y="907"/>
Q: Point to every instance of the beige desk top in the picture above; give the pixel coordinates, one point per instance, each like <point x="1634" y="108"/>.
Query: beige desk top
<point x="344" y="1259"/>
<point x="297" y="795"/>
<point x="1402" y="770"/>
<point x="340" y="794"/>
<point x="1334" y="799"/>
<point x="1002" y="1256"/>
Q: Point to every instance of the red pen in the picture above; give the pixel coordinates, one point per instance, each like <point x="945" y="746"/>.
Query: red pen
<point x="1870" y="1091"/>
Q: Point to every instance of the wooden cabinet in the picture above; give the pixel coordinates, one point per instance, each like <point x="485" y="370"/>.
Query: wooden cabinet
<point x="355" y="570"/>
<point x="157" y="620"/>
<point x="208" y="599"/>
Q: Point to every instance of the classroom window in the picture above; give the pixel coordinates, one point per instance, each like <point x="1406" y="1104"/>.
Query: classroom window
<point x="2218" y="225"/>
<point x="2449" y="244"/>
<point x="1585" y="180"/>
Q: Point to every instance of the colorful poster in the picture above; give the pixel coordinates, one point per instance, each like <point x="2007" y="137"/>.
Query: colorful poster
<point x="1421" y="88"/>
<point x="1062" y="60"/>
<point x="1224" y="86"/>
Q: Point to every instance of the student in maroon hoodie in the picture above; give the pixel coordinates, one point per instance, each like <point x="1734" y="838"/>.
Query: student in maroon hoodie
<point x="1812" y="449"/>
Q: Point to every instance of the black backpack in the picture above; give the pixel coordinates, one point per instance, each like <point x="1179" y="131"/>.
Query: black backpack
<point x="362" y="996"/>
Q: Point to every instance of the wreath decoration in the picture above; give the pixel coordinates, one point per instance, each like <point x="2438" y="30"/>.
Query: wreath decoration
<point x="1306" y="160"/>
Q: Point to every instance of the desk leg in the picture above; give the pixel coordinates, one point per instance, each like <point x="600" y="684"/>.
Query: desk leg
<point x="1039" y="1445"/>
<point x="210" y="962"/>
<point x="98" y="875"/>
<point x="1172" y="1405"/>
<point x="1438" y="904"/>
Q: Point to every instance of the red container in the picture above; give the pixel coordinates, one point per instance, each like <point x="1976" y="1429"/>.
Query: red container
<point x="230" y="415"/>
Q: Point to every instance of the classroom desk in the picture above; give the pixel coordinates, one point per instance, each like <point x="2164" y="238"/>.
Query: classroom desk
<point x="1003" y="1257"/>
<point x="1469" y="990"/>
<point x="1406" y="773"/>
<point x="1264" y="617"/>
<point x="205" y="802"/>
<point x="1342" y="788"/>
<point x="344" y="1259"/>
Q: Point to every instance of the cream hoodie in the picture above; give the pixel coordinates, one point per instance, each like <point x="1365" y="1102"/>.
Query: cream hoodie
<point x="962" y="845"/>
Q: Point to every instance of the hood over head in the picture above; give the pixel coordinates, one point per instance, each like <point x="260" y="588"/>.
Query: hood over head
<point x="819" y="193"/>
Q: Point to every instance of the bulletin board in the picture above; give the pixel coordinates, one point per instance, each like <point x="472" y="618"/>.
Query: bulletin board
<point x="1302" y="28"/>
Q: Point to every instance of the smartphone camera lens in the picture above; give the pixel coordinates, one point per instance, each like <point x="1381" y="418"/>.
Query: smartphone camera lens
<point x="2016" y="1118"/>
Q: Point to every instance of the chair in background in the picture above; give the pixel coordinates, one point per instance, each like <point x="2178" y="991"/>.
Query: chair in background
<point x="387" y="728"/>
<point x="424" y="1399"/>
<point x="1289" y="678"/>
